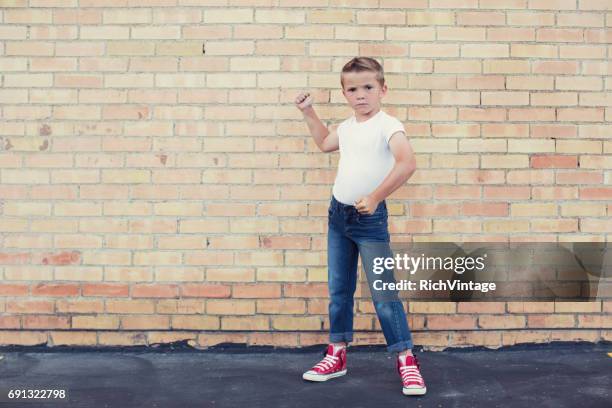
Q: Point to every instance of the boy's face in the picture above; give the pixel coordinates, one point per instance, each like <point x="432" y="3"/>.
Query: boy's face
<point x="363" y="92"/>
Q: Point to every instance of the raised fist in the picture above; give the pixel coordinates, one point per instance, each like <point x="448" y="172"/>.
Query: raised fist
<point x="303" y="100"/>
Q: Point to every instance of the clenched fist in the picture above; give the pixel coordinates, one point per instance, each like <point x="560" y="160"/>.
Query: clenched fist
<point x="303" y="100"/>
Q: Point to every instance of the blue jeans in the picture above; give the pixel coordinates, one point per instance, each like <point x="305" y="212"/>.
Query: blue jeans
<point x="349" y="234"/>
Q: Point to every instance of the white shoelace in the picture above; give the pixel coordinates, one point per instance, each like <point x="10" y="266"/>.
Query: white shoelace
<point x="411" y="373"/>
<point x="327" y="362"/>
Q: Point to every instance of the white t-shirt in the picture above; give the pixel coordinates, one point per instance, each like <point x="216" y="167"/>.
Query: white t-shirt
<point x="365" y="157"/>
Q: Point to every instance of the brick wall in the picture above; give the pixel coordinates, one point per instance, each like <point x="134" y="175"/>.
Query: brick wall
<point x="157" y="183"/>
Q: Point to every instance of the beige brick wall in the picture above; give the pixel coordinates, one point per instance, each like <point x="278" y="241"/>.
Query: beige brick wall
<point x="150" y="192"/>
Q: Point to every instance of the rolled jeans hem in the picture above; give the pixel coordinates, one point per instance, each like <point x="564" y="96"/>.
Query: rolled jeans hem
<point x="400" y="346"/>
<point x="338" y="337"/>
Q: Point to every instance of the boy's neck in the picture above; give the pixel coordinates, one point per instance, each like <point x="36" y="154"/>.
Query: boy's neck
<point x="363" y="118"/>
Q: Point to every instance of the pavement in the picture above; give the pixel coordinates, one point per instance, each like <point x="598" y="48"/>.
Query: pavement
<point x="551" y="375"/>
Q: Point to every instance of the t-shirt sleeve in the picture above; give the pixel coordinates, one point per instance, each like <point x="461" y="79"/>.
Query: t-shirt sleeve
<point x="391" y="126"/>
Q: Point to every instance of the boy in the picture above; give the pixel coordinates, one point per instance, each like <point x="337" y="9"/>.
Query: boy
<point x="375" y="159"/>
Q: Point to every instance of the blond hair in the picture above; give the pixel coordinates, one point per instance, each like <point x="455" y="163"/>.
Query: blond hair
<point x="360" y="64"/>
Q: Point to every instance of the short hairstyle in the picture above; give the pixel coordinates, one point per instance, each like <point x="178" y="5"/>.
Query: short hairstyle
<point x="360" y="64"/>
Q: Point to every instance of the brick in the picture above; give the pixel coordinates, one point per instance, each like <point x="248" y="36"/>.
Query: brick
<point x="595" y="193"/>
<point x="550" y="321"/>
<point x="146" y="322"/>
<point x="195" y="323"/>
<point x="281" y="306"/>
<point x="451" y="322"/>
<point x="481" y="307"/>
<point x="482" y="114"/>
<point x="575" y="335"/>
<point x="484" y="209"/>
<point x="260" y="290"/>
<point x="27" y="306"/>
<point x="530" y="82"/>
<point x="554" y="99"/>
<point x="296" y="323"/>
<point x="579" y="177"/>
<point x="454" y="98"/>
<point x="10" y="289"/>
<point x="501" y="322"/>
<point x="552" y="161"/>
<point x="245" y="323"/>
<point x="530" y="307"/>
<point x="530" y="177"/>
<point x="73" y="338"/>
<point x="429" y="18"/>
<point x="580" y="20"/>
<point x="380" y="17"/>
<point x="532" y="210"/>
<point x="24" y="338"/>
<point x="480" y="176"/>
<point x="531" y="146"/>
<point x="55" y="289"/>
<point x="434" y="50"/>
<point x="530" y="18"/>
<point x="593" y="5"/>
<point x="105" y="289"/>
<point x="578" y="307"/>
<point x="457" y="66"/>
<point x="432" y="307"/>
<point x="595" y="162"/>
<point x="457" y="192"/>
<point x="452" y="4"/>
<point x="595" y="225"/>
<point x="95" y="322"/>
<point x="129" y="306"/>
<point x="578" y="83"/>
<point x="230" y="307"/>
<point x="275" y="339"/>
<point x="552" y="4"/>
<point x="559" y="131"/>
<point x="510" y="338"/>
<point x="330" y="16"/>
<point x="212" y="16"/>
<point x="485" y="51"/>
<point x="480" y="18"/>
<point x="385" y="50"/>
<point x="555" y="67"/>
<point x="504" y="161"/>
<point x="509" y="33"/>
<point x="581" y="114"/>
<point x="505" y="98"/>
<point x="554" y="193"/>
<point x="279" y="16"/>
<point x="428" y="82"/>
<point x="46" y="322"/>
<point x="582" y="51"/>
<point x="185" y="306"/>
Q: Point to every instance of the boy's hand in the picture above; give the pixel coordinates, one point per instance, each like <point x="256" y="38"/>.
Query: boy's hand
<point x="366" y="205"/>
<point x="303" y="100"/>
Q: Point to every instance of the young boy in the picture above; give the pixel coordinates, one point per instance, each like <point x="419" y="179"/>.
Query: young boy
<point x="375" y="159"/>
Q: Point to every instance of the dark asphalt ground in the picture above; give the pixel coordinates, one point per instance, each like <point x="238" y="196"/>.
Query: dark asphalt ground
<point x="553" y="375"/>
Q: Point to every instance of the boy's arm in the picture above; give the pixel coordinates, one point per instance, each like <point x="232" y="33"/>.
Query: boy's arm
<point x="324" y="139"/>
<point x="405" y="165"/>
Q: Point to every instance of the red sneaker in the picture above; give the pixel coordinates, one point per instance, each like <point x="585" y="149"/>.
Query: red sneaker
<point x="333" y="365"/>
<point x="409" y="369"/>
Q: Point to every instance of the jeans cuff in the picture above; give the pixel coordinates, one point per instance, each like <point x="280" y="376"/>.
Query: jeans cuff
<point x="338" y="337"/>
<point x="400" y="346"/>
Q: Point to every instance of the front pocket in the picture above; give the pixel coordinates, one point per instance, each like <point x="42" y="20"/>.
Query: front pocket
<point x="378" y="218"/>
